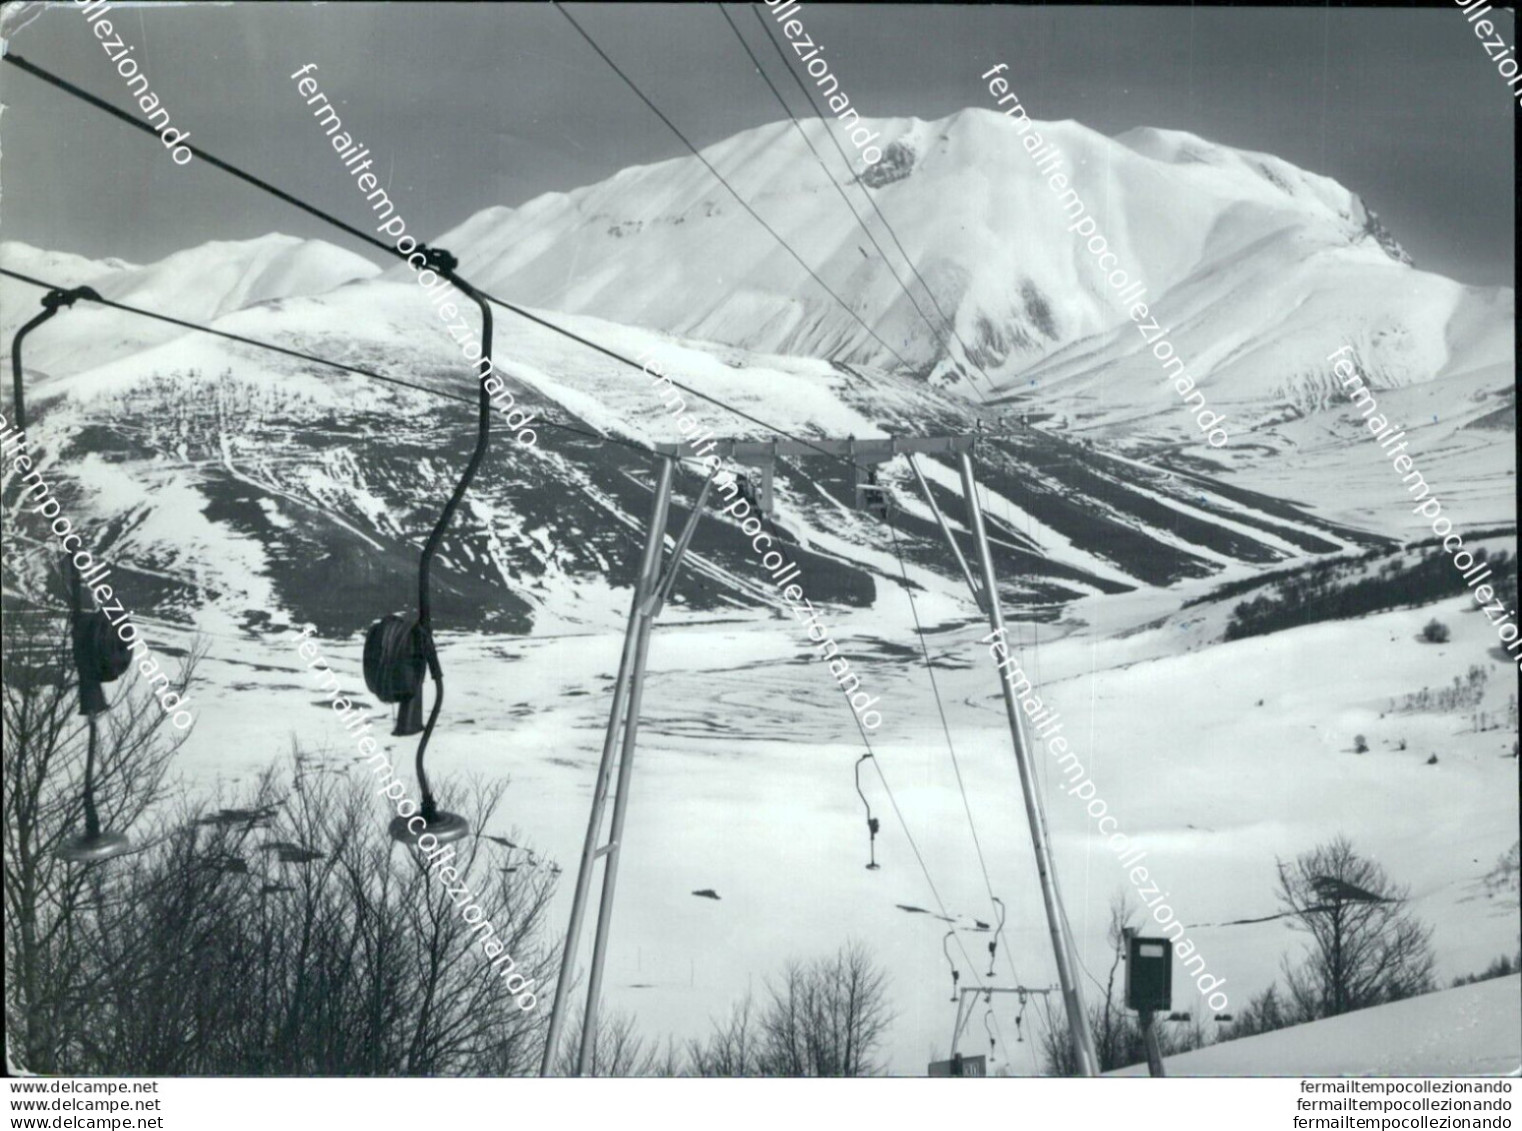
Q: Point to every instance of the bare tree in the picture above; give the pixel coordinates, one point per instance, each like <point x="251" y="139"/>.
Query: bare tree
<point x="50" y="971"/>
<point x="289" y="935"/>
<point x="822" y="1017"/>
<point x="619" y="1050"/>
<point x="1264" y="1013"/>
<point x="1504" y="881"/>
<point x="826" y="1017"/>
<point x="1365" y="946"/>
<point x="734" y="1048"/>
<point x="367" y="963"/>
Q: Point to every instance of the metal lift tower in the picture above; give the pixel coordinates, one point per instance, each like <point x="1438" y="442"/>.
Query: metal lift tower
<point x="654" y="585"/>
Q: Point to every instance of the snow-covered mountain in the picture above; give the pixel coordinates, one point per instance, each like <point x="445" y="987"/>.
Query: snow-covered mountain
<point x="319" y="483"/>
<point x="198" y="284"/>
<point x="240" y="494"/>
<point x="316" y="487"/>
<point x="1260" y="267"/>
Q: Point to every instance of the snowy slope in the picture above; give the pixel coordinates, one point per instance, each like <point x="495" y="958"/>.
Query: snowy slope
<point x="198" y="284"/>
<point x="62" y="267"/>
<point x="325" y="469"/>
<point x="1469" y="1031"/>
<point x="1460" y="433"/>
<point x="745" y="784"/>
<point x="1258" y="319"/>
<point x="206" y="282"/>
<point x="244" y="494"/>
<point x="257" y="495"/>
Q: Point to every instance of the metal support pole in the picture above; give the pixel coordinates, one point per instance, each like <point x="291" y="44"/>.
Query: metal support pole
<point x="1149" y="1038"/>
<point x="644" y="585"/>
<point x="668" y="583"/>
<point x="1072" y="996"/>
<point x="642" y="625"/>
<point x="956" y="1029"/>
<point x="956" y="551"/>
<point x="1148" y="1021"/>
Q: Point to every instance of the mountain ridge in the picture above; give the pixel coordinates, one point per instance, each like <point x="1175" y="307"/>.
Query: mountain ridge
<point x="664" y="247"/>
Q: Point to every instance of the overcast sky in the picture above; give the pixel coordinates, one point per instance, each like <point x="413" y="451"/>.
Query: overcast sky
<point x="465" y="106"/>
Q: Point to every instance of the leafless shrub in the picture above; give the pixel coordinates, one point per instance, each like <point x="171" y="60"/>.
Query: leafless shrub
<point x="823" y="1017"/>
<point x="1365" y="947"/>
<point x="53" y="974"/>
<point x="288" y="935"/>
<point x="223" y="955"/>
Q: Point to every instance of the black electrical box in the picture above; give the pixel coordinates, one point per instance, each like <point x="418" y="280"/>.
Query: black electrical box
<point x="1149" y="974"/>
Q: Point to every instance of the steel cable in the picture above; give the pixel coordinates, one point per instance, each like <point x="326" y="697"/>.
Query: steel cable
<point x="70" y="88"/>
<point x="732" y="192"/>
<point x="809" y="98"/>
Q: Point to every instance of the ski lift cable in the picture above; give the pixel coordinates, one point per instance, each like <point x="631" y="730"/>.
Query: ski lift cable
<point x="1088" y="856"/>
<point x="77" y="92"/>
<point x="893" y="803"/>
<point x="392" y="655"/>
<point x="316" y="359"/>
<point x="940" y="705"/>
<point x="257" y="182"/>
<point x="1035" y="646"/>
<point x="992" y="1013"/>
<point x="951" y="749"/>
<point x="999" y="1028"/>
<point x="914" y="846"/>
<point x="797" y="125"/>
<point x="1045" y="781"/>
<point x="100" y="104"/>
<point x="808" y="97"/>
<point x="1018" y="625"/>
<point x="1043" y="777"/>
<point x="1020" y="1035"/>
<point x="1019" y="1039"/>
<point x="1073" y="949"/>
<point x="1036" y="666"/>
<point x="732" y="191"/>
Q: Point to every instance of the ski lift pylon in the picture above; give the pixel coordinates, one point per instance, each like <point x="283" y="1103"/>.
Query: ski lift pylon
<point x="399" y="650"/>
